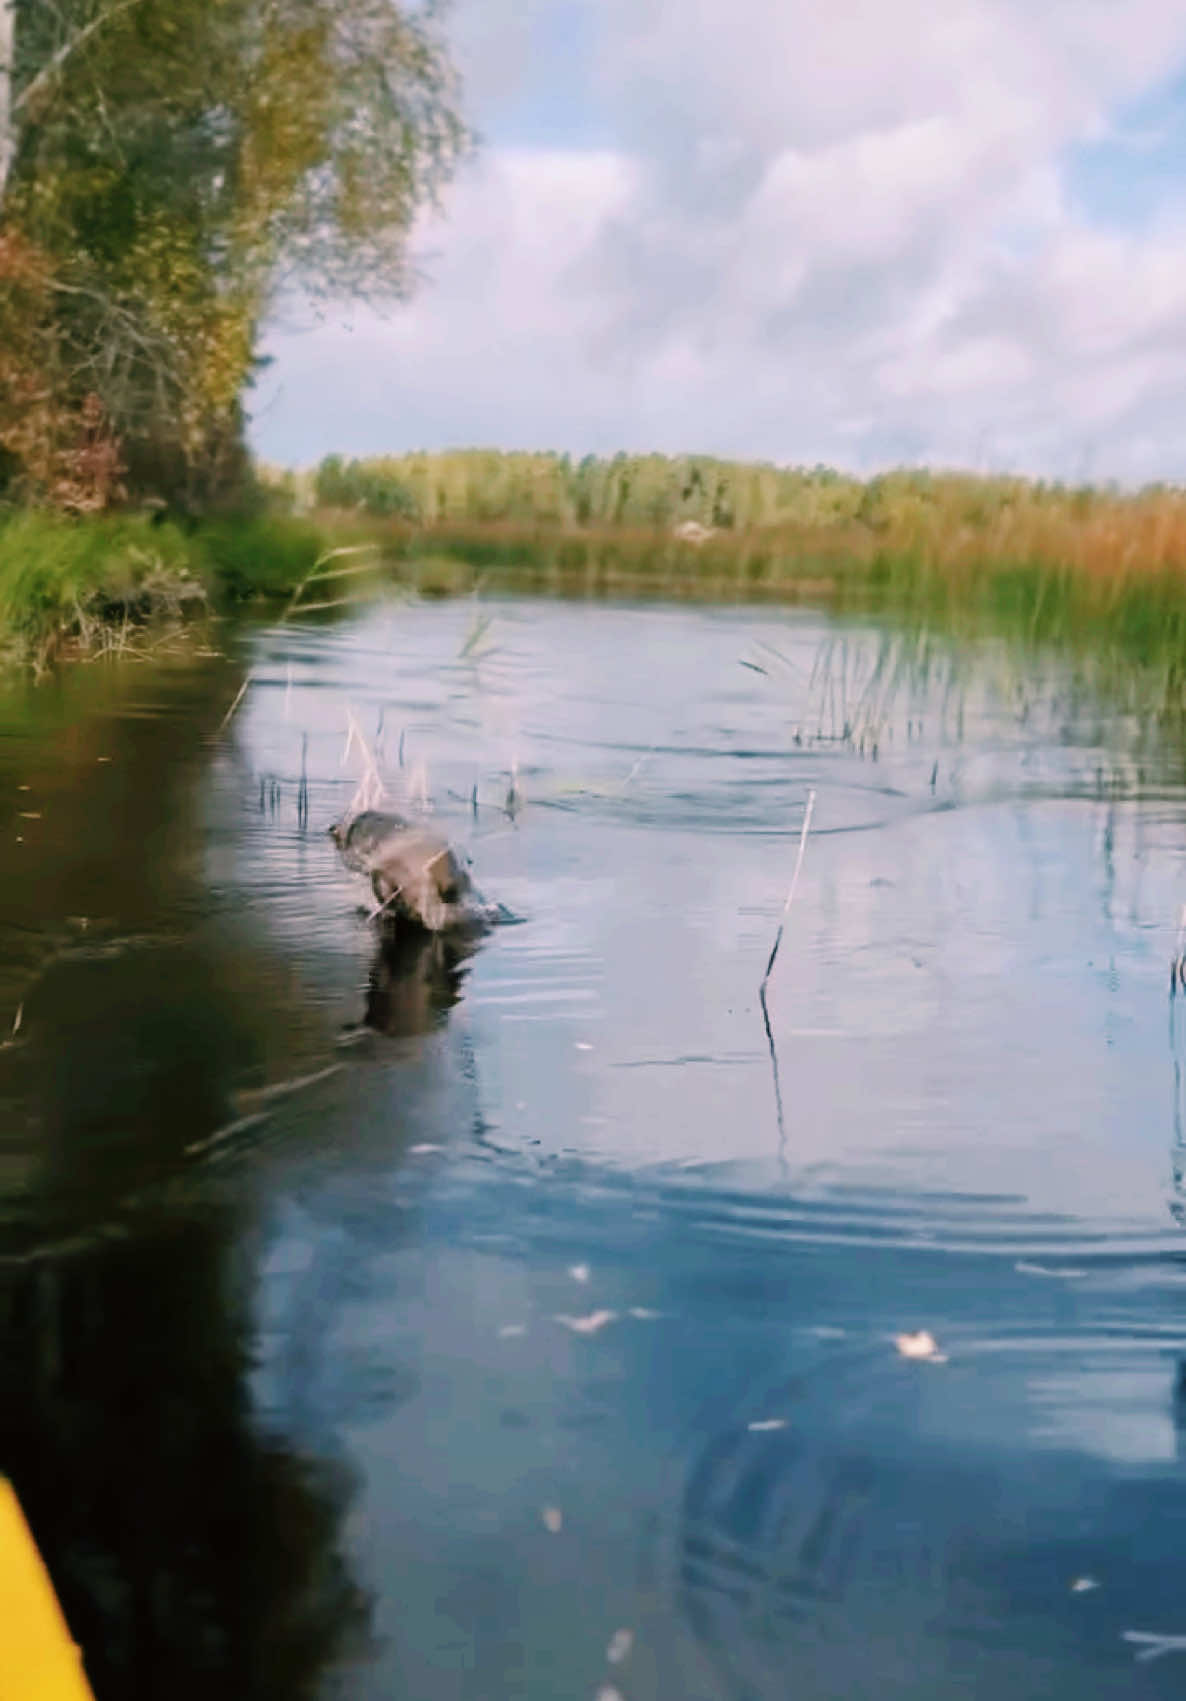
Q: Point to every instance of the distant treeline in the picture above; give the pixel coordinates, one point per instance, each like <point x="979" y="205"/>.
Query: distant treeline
<point x="483" y="486"/>
<point x="945" y="516"/>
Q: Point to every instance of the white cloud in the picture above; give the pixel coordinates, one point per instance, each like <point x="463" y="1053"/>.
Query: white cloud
<point x="823" y="233"/>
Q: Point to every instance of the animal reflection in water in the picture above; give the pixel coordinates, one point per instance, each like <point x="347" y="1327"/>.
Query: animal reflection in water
<point x="416" y="979"/>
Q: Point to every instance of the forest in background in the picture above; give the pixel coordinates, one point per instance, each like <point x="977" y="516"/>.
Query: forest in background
<point x="170" y="168"/>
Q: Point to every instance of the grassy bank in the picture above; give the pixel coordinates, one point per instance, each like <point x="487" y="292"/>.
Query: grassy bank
<point x="69" y="584"/>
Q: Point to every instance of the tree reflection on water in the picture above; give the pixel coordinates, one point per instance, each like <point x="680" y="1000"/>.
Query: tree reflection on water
<point x="186" y="1545"/>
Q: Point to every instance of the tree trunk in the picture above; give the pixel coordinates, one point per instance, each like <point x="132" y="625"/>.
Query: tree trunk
<point x="7" y="115"/>
<point x="11" y="102"/>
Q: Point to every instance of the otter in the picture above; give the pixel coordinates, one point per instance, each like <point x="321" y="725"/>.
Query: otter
<point x="416" y="875"/>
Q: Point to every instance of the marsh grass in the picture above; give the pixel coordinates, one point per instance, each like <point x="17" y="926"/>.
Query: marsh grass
<point x="448" y="559"/>
<point x="1096" y="575"/>
<point x="252" y="555"/>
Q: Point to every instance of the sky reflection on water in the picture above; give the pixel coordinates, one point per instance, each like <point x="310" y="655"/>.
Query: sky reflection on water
<point x="313" y="1215"/>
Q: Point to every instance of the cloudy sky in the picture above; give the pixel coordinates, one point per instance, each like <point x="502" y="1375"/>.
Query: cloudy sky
<point x="865" y="232"/>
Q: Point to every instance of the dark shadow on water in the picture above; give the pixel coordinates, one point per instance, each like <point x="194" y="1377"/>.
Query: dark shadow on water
<point x="195" y="1550"/>
<point x="191" y="1552"/>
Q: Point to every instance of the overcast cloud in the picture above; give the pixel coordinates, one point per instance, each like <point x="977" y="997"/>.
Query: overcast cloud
<point x="864" y="233"/>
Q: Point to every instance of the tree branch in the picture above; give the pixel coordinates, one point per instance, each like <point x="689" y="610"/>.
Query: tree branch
<point x="56" y="60"/>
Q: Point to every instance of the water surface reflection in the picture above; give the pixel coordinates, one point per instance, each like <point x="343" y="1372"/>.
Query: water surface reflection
<point x="387" y="1321"/>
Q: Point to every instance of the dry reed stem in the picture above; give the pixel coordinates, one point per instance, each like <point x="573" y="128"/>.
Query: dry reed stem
<point x="313" y="573"/>
<point x="790" y="892"/>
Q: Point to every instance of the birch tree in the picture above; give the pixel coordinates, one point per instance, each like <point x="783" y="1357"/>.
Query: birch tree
<point x="7" y="50"/>
<point x="180" y="161"/>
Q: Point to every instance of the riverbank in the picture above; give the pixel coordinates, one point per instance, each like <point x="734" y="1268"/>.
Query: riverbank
<point x="1091" y="570"/>
<point x="86" y="585"/>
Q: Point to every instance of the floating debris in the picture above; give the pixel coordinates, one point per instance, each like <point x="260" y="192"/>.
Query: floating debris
<point x="586" y="1325"/>
<point x="424" y="1147"/>
<point x="1025" y="1269"/>
<point x="620" y="1644"/>
<point x="644" y="1313"/>
<point x="252" y="1096"/>
<point x="760" y="1425"/>
<point x="510" y="1331"/>
<point x="553" y="1519"/>
<point x="579" y="1272"/>
<point x="583" y="1045"/>
<point x="1152" y="1646"/>
<point x="920" y="1345"/>
<point x="607" y="1692"/>
<point x="1083" y="1585"/>
<point x="5" y="1044"/>
<point x="220" y="1136"/>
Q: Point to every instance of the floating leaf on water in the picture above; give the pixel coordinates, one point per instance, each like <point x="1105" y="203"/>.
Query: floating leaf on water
<point x="761" y="1424"/>
<point x="553" y="1519"/>
<point x="620" y="1644"/>
<point x="587" y="1325"/>
<point x="922" y="1345"/>
<point x="579" y="1272"/>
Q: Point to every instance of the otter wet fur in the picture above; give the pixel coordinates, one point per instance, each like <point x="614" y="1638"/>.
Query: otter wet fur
<point x="416" y="876"/>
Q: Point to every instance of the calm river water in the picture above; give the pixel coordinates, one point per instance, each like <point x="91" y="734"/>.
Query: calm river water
<point x="392" y="1327"/>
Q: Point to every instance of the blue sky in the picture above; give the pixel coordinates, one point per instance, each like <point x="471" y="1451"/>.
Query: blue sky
<point x="1136" y="173"/>
<point x="875" y="232"/>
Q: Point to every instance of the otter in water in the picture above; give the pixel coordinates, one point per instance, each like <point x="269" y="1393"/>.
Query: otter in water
<point x="415" y="874"/>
